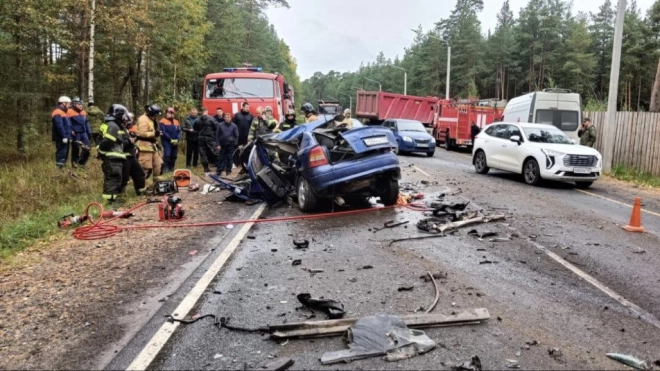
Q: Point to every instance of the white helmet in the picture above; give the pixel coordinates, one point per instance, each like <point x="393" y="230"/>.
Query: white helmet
<point x="347" y="111"/>
<point x="64" y="99"/>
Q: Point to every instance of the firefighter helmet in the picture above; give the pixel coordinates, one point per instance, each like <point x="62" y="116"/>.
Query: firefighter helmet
<point x="307" y="108"/>
<point x="64" y="99"/>
<point x="153" y="110"/>
<point x="76" y="100"/>
<point x="290" y="112"/>
<point x="117" y="113"/>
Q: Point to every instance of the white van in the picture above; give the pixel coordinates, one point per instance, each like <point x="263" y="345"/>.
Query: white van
<point x="558" y="107"/>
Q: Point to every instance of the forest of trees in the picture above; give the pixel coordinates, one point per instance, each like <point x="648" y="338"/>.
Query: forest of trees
<point x="144" y="51"/>
<point x="546" y="46"/>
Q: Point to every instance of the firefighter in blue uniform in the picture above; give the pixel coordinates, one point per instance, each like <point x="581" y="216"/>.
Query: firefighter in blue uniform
<point x="111" y="151"/>
<point x="61" y="131"/>
<point x="82" y="133"/>
<point x="170" y="139"/>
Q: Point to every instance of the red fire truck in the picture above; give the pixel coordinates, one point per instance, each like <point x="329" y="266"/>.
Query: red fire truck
<point x="235" y="85"/>
<point x="453" y="119"/>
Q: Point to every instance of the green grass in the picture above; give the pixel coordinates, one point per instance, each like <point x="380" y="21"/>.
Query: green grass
<point x="34" y="194"/>
<point x="635" y="176"/>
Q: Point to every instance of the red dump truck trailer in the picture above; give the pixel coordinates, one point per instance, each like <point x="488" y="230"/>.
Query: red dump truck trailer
<point x="378" y="106"/>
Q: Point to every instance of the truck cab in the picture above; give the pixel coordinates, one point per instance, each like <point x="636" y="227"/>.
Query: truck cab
<point x="229" y="89"/>
<point x="329" y="108"/>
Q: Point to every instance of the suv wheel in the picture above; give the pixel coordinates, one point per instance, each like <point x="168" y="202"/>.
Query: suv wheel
<point x="480" y="163"/>
<point x="531" y="172"/>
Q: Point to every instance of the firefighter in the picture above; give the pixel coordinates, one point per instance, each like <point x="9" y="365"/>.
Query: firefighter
<point x="62" y="133"/>
<point x="82" y="132"/>
<point x="310" y="113"/>
<point x="147" y="141"/>
<point x="265" y="123"/>
<point x="289" y="121"/>
<point x="206" y="128"/>
<point x="111" y="151"/>
<point x="131" y="169"/>
<point x="347" y="119"/>
<point x="95" y="117"/>
<point x="171" y="130"/>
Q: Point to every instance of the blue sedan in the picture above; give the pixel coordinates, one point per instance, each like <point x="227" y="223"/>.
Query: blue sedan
<point x="323" y="160"/>
<point x="411" y="136"/>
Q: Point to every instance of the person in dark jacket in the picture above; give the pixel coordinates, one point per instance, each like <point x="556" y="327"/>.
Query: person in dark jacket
<point x="62" y="132"/>
<point x="82" y="133"/>
<point x="243" y="121"/>
<point x="111" y="151"/>
<point x="474" y="131"/>
<point x="171" y="130"/>
<point x="192" y="146"/>
<point x="132" y="168"/>
<point x="219" y="116"/>
<point x="226" y="140"/>
<point x="206" y="128"/>
<point x="289" y="121"/>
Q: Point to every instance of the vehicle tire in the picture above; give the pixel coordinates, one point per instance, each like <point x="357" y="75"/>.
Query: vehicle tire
<point x="396" y="150"/>
<point x="307" y="200"/>
<point x="583" y="185"/>
<point x="391" y="194"/>
<point x="531" y="172"/>
<point x="430" y="154"/>
<point x="435" y="136"/>
<point x="480" y="163"/>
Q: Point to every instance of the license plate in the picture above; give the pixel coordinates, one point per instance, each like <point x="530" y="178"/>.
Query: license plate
<point x="375" y="141"/>
<point x="582" y="170"/>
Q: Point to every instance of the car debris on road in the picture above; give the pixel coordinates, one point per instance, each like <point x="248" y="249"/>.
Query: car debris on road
<point x="629" y="360"/>
<point x="332" y="308"/>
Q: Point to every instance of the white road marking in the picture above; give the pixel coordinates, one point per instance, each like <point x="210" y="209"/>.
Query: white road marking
<point x="422" y="171"/>
<point x="615" y="201"/>
<point x="648" y="317"/>
<point x="158" y="341"/>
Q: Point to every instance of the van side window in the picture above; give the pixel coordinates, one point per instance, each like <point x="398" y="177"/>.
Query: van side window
<point x="545" y="117"/>
<point x="569" y="120"/>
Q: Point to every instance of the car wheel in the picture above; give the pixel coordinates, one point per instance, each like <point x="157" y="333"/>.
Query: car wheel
<point x="480" y="164"/>
<point x="435" y="136"/>
<point x="430" y="154"/>
<point x="396" y="149"/>
<point x="391" y="192"/>
<point x="531" y="172"/>
<point x="307" y="200"/>
<point x="583" y="185"/>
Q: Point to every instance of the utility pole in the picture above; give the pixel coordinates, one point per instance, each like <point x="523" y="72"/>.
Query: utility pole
<point x="380" y="87"/>
<point x="92" y="24"/>
<point x="609" y="129"/>
<point x="449" y="69"/>
<point x="405" y="79"/>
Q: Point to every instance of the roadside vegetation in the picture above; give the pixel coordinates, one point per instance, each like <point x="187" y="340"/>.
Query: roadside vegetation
<point x="628" y="174"/>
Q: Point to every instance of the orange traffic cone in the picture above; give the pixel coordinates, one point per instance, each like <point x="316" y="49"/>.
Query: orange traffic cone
<point x="635" y="224"/>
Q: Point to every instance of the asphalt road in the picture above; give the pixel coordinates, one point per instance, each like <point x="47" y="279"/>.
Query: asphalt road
<point x="530" y="295"/>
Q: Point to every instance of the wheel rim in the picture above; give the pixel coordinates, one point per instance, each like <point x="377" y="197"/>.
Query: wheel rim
<point x="530" y="172"/>
<point x="302" y="188"/>
<point x="481" y="161"/>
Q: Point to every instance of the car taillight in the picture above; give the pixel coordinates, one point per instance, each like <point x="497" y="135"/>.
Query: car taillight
<point x="317" y="157"/>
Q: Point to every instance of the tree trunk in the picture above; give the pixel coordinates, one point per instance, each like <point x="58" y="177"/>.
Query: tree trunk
<point x="147" y="78"/>
<point x="19" y="109"/>
<point x="83" y="53"/>
<point x="655" y="94"/>
<point x="90" y="76"/>
<point x="135" y="81"/>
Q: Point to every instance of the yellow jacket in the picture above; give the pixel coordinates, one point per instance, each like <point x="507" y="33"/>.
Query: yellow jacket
<point x="146" y="134"/>
<point x="311" y="118"/>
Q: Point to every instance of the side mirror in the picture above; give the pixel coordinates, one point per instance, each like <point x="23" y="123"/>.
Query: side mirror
<point x="515" y="138"/>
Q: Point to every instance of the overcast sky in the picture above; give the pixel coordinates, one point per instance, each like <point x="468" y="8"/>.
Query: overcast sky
<point x="337" y="35"/>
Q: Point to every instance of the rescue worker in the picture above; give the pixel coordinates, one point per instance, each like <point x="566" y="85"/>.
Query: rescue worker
<point x="289" y="121"/>
<point x="95" y="117"/>
<point x="192" y="147"/>
<point x="147" y="141"/>
<point x="111" y="151"/>
<point x="474" y="131"/>
<point x="243" y="121"/>
<point x="265" y="124"/>
<point x="82" y="132"/>
<point x="219" y="116"/>
<point x="131" y="169"/>
<point x="171" y="134"/>
<point x="587" y="133"/>
<point x="62" y="132"/>
<point x="310" y="113"/>
<point x="226" y="139"/>
<point x="347" y="119"/>
<point x="206" y="130"/>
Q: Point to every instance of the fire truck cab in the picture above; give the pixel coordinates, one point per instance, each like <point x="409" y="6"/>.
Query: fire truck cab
<point x="229" y="89"/>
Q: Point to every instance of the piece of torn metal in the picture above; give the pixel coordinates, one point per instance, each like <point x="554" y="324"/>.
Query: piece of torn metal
<point x="512" y="363"/>
<point x="629" y="360"/>
<point x="332" y="308"/>
<point x="279" y="365"/>
<point x="414" y="238"/>
<point x="437" y="293"/>
<point x="473" y="365"/>
<point x="379" y="335"/>
<point x="301" y="244"/>
<point x="311" y="329"/>
<point x="390" y="224"/>
<point x="471" y="221"/>
<point x="480" y="235"/>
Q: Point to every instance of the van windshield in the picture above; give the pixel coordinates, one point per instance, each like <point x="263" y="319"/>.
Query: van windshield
<point x="547" y="136"/>
<point x="563" y="120"/>
<point x="239" y="88"/>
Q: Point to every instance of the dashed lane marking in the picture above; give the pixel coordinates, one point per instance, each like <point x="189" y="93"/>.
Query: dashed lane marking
<point x="158" y="341"/>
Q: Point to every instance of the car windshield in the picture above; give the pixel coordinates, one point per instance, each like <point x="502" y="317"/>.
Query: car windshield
<point x="410" y="126"/>
<point x="239" y="88"/>
<point x="547" y="136"/>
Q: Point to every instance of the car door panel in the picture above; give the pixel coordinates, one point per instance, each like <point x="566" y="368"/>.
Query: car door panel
<point x="495" y="146"/>
<point x="511" y="150"/>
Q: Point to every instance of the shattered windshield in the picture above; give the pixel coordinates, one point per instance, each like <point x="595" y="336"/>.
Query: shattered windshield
<point x="547" y="136"/>
<point x="410" y="126"/>
<point x="239" y="88"/>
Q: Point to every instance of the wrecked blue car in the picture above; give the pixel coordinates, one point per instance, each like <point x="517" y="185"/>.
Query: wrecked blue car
<point x="319" y="161"/>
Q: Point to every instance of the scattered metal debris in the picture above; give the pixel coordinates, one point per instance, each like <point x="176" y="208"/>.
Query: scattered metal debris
<point x="555" y="353"/>
<point x="512" y="363"/>
<point x="332" y="308"/>
<point x="390" y="224"/>
<point x="301" y="244"/>
<point x="437" y="293"/>
<point x="629" y="360"/>
<point x="472" y="365"/>
<point x="312" y="270"/>
<point x="368" y="267"/>
<point x="414" y="238"/>
<point x="279" y="365"/>
<point x="406" y="288"/>
<point x="379" y="335"/>
<point x="485" y="234"/>
<point x="499" y="239"/>
<point x="296" y="262"/>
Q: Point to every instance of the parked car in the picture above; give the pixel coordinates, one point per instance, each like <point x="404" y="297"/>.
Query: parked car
<point x="411" y="136"/>
<point x="323" y="160"/>
<point x="538" y="151"/>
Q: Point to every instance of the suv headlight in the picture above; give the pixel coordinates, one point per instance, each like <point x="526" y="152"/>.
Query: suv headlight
<point x="407" y="139"/>
<point x="549" y="152"/>
<point x="550" y="157"/>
